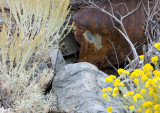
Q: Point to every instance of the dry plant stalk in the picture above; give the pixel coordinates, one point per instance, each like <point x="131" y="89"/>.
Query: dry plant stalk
<point x="32" y="16"/>
<point x="152" y="22"/>
<point x="32" y="30"/>
<point x="152" y="32"/>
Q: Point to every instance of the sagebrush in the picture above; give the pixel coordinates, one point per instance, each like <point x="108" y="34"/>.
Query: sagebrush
<point x="30" y="32"/>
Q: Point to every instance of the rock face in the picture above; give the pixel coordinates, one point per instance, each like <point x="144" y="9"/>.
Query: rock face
<point x="57" y="59"/>
<point x="68" y="45"/>
<point x="97" y="37"/>
<point x="78" y="88"/>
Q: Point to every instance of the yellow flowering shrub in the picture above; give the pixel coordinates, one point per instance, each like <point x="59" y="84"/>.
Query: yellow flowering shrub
<point x="141" y="92"/>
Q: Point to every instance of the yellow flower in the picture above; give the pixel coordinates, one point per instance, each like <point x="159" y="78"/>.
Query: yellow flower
<point x="157" y="107"/>
<point x="122" y="72"/>
<point x="104" y="90"/>
<point x="136" y="81"/>
<point x="156" y="73"/>
<point x="109" y="89"/>
<point x="156" y="81"/>
<point x="117" y="80"/>
<point x="115" y="92"/>
<point x="131" y="107"/>
<point x="118" y="83"/>
<point x="147" y="104"/>
<point x="139" y="71"/>
<point x="149" y="83"/>
<point x="134" y="75"/>
<point x="143" y="91"/>
<point x="148" y="111"/>
<point x="152" y="91"/>
<point x="110" y="109"/>
<point x="137" y="96"/>
<point x="141" y="57"/>
<point x="110" y="79"/>
<point x="124" y="95"/>
<point x="127" y="72"/>
<point x="147" y="68"/>
<point x="139" y="109"/>
<point x="157" y="112"/>
<point x="154" y="60"/>
<point x="104" y="95"/>
<point x="144" y="78"/>
<point x="157" y="46"/>
<point x="155" y="97"/>
<point x="130" y="93"/>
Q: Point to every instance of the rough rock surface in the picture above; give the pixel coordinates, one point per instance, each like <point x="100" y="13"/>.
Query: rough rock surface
<point x="78" y="89"/>
<point x="57" y="60"/>
<point x="68" y="45"/>
<point x="92" y="26"/>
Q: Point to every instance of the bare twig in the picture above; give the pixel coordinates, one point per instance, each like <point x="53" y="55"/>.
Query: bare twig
<point x="111" y="64"/>
<point x="115" y="53"/>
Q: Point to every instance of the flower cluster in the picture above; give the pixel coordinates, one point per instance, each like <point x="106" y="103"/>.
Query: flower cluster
<point x="141" y="57"/>
<point x="144" y="96"/>
<point x="157" y="46"/>
<point x="154" y="60"/>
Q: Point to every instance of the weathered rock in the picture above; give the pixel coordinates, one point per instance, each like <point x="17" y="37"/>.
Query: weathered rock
<point x="57" y="59"/>
<point x="95" y="33"/>
<point x="78" y="88"/>
<point x="68" y="45"/>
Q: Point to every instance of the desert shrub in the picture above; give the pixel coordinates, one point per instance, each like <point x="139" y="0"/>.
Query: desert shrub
<point x="137" y="91"/>
<point x="31" y="31"/>
<point x="23" y="91"/>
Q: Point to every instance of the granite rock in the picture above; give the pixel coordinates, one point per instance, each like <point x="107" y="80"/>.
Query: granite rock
<point x="78" y="88"/>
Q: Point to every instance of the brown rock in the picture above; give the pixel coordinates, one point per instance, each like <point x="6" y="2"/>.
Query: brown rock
<point x="95" y="33"/>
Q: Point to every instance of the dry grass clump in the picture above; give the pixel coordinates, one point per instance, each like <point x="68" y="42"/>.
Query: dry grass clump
<point x="29" y="34"/>
<point x="22" y="91"/>
<point x="5" y="110"/>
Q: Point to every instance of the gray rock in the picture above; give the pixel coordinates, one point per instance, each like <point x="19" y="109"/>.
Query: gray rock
<point x="78" y="88"/>
<point x="57" y="59"/>
<point x="68" y="45"/>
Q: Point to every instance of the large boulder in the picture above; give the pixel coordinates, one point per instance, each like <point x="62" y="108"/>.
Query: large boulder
<point x="97" y="37"/>
<point x="78" y="88"/>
